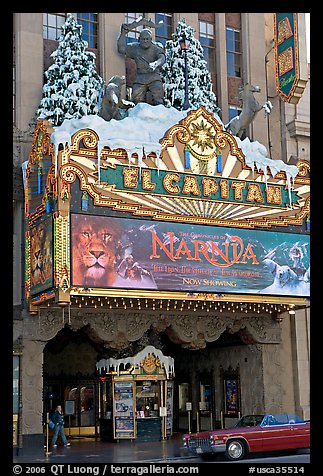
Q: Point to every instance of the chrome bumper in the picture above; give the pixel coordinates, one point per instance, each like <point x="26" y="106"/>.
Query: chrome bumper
<point x="198" y="450"/>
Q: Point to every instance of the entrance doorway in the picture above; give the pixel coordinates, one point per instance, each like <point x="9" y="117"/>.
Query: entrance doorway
<point x="71" y="380"/>
<point x="78" y="400"/>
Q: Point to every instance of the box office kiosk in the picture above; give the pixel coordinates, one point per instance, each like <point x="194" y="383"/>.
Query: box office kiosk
<point x="136" y="396"/>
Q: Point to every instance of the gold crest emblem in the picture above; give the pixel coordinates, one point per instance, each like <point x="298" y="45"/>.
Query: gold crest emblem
<point x="150" y="364"/>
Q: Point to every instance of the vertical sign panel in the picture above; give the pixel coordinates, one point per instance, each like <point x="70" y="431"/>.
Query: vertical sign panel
<point x="290" y="55"/>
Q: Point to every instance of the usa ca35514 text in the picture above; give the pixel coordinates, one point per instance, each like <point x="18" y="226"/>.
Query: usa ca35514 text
<point x="279" y="470"/>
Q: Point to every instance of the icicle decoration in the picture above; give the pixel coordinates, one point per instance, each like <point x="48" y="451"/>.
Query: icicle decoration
<point x="136" y="361"/>
<point x="57" y="138"/>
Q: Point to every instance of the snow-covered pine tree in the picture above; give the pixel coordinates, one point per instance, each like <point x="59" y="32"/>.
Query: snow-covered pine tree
<point x="73" y="87"/>
<point x="173" y="73"/>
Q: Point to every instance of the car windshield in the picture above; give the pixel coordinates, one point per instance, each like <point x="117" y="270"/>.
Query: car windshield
<point x="282" y="419"/>
<point x="250" y="420"/>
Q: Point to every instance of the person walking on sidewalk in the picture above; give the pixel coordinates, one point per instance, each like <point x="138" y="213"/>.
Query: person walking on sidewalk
<point x="58" y="420"/>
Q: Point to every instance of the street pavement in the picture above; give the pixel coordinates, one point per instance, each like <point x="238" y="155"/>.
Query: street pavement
<point x="88" y="450"/>
<point x="85" y="451"/>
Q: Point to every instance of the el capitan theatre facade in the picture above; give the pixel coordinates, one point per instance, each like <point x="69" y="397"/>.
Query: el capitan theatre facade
<point x="174" y="273"/>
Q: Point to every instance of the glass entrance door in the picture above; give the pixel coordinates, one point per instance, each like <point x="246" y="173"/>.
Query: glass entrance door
<point x="84" y="415"/>
<point x="78" y="400"/>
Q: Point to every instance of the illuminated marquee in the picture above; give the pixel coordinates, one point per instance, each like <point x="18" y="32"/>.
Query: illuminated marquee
<point x="174" y="187"/>
<point x="201" y="219"/>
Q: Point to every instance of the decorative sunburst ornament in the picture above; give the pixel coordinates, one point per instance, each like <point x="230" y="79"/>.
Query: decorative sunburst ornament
<point x="203" y="136"/>
<point x="202" y="147"/>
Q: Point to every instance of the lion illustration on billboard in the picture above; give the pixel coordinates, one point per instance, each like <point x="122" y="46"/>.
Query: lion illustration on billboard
<point x="94" y="241"/>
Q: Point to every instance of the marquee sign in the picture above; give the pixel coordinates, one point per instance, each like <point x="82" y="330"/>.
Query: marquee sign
<point x="198" y="187"/>
<point x="184" y="182"/>
<point x="200" y="208"/>
<point x="290" y="55"/>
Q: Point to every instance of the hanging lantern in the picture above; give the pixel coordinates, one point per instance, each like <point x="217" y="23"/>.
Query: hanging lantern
<point x="187" y="157"/>
<point x="219" y="166"/>
<point x="49" y="203"/>
<point x="39" y="179"/>
<point x="308" y="223"/>
<point x="85" y="201"/>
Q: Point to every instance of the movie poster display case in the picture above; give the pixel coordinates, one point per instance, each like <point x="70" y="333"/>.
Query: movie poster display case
<point x="136" y="396"/>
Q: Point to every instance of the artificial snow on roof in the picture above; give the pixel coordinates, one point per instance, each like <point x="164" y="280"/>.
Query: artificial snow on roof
<point x="143" y="128"/>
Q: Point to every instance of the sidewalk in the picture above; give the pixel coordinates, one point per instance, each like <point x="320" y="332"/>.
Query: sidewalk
<point x="128" y="451"/>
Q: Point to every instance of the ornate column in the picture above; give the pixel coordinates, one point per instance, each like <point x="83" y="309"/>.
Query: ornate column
<point x="36" y="331"/>
<point x="32" y="387"/>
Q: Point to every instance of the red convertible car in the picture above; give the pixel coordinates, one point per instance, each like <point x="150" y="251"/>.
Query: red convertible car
<point x="252" y="433"/>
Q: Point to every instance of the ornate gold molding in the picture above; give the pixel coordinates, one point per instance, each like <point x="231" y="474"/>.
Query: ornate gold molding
<point x="62" y="252"/>
<point x="81" y="160"/>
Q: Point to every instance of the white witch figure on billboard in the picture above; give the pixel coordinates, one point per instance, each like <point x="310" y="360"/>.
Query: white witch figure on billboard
<point x="291" y="274"/>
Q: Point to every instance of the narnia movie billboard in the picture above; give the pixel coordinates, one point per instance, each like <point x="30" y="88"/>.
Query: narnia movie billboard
<point x="41" y="257"/>
<point x="132" y="253"/>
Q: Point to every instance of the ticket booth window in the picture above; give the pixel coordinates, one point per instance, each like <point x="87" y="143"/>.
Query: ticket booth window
<point x="147" y="398"/>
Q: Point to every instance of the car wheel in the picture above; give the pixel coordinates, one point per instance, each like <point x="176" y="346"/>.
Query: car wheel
<point x="235" y="450"/>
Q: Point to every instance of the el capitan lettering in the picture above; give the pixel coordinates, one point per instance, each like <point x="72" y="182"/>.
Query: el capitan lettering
<point x="200" y="187"/>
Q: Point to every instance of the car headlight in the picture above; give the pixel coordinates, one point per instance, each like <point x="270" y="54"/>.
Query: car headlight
<point x="216" y="441"/>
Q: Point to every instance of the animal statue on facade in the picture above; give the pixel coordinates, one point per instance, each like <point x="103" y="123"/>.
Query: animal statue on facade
<point x="250" y="107"/>
<point x="113" y="106"/>
<point x="149" y="57"/>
